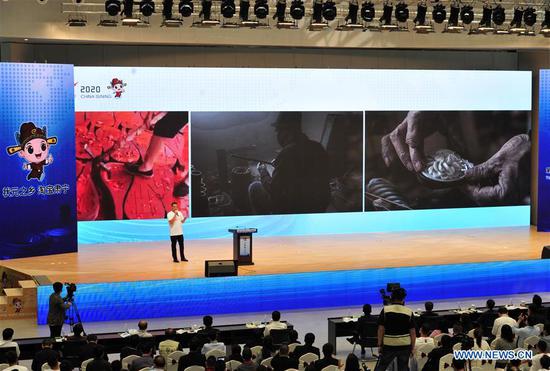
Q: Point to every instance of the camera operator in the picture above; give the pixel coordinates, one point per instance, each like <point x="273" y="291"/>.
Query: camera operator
<point x="56" y="311"/>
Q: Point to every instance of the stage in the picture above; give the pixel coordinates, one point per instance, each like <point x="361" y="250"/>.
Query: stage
<point x="297" y="254"/>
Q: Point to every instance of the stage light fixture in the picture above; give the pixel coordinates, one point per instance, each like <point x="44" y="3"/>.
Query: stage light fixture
<point x="297" y="9"/>
<point x="467" y="14"/>
<point x="499" y="15"/>
<point x="546" y="21"/>
<point x="353" y="10"/>
<point x="329" y="10"/>
<point x="421" y="11"/>
<point x="385" y="20"/>
<point x="167" y="9"/>
<point x="486" y="16"/>
<point x="261" y="9"/>
<point x="147" y="7"/>
<point x="517" y="18"/>
<point x="186" y="8"/>
<point x="530" y="16"/>
<point x="317" y="11"/>
<point x="112" y="7"/>
<point x="454" y="14"/>
<point x="244" y="9"/>
<point x="439" y="14"/>
<point x="280" y="9"/>
<point x="367" y="11"/>
<point x="228" y="8"/>
<point x="401" y="12"/>
<point x="128" y="8"/>
<point x="206" y="10"/>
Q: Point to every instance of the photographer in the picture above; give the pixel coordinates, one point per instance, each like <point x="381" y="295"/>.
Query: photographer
<point x="56" y="311"/>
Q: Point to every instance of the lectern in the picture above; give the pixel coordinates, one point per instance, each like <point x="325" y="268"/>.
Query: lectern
<point x="242" y="245"/>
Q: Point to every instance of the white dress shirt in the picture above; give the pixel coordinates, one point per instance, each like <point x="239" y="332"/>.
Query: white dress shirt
<point x="501" y="321"/>
<point x="274" y="325"/>
<point x="10" y="344"/>
<point x="524" y="332"/>
<point x="213" y="345"/>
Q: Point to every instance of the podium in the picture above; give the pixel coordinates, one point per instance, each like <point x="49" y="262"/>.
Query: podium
<point x="242" y="245"/>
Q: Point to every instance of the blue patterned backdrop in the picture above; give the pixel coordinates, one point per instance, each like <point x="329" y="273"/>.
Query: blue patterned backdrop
<point x="543" y="221"/>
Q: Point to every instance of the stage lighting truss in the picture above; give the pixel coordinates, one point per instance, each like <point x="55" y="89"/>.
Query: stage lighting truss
<point x="402" y="15"/>
<point x="545" y="25"/>
<point x="385" y="19"/>
<point x="439" y="14"/>
<point x="352" y="18"/>
<point x="168" y="15"/>
<point x="421" y="26"/>
<point x="317" y="22"/>
<point x="297" y="9"/>
<point x="205" y="16"/>
<point x="113" y="7"/>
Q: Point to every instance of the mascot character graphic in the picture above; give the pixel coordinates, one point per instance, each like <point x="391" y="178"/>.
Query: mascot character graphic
<point x="34" y="148"/>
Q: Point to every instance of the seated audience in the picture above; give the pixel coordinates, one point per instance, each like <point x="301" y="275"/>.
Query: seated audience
<point x="66" y="366"/>
<point x="506" y="341"/>
<point x="546" y="333"/>
<point x="352" y="363"/>
<point x="487" y="318"/>
<point x="328" y="359"/>
<point x="440" y="328"/>
<point x="220" y="365"/>
<point x="99" y="362"/>
<point x="458" y="334"/>
<point x="538" y="313"/>
<point x="541" y="351"/>
<point x="207" y="332"/>
<point x="43" y="355"/>
<point x="78" y="334"/>
<point x="479" y="344"/>
<point x="87" y="350"/>
<point x="308" y="347"/>
<point x="210" y="364"/>
<point x="235" y="353"/>
<point x="159" y="363"/>
<point x="503" y="319"/>
<point x="132" y="342"/>
<point x="427" y="317"/>
<point x="458" y="364"/>
<point x="142" y="330"/>
<point x="213" y="344"/>
<point x="293" y="337"/>
<point x="7" y="340"/>
<point x="248" y="363"/>
<point x="367" y="325"/>
<point x="514" y="365"/>
<point x="527" y="330"/>
<point x="446" y="347"/>
<point x="275" y="323"/>
<point x="194" y="357"/>
<point x="170" y="344"/>
<point x="545" y="362"/>
<point x="282" y="361"/>
<point x="53" y="362"/>
<point x="268" y="349"/>
<point x="13" y="362"/>
<point x="146" y="359"/>
<point x="424" y="337"/>
<point x="116" y="365"/>
<point x="466" y="323"/>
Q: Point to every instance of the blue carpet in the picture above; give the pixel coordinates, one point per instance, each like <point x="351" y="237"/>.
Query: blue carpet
<point x="264" y="293"/>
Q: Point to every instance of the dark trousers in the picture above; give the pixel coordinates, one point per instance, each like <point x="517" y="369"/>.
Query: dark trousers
<point x="55" y="331"/>
<point x="388" y="355"/>
<point x="179" y="241"/>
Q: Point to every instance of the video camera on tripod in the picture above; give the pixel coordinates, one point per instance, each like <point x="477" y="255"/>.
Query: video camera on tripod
<point x="72" y="315"/>
<point x="71" y="289"/>
<point x="386" y="294"/>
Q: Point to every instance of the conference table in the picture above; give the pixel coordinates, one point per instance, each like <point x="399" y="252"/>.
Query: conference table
<point x="345" y="326"/>
<point x="115" y="341"/>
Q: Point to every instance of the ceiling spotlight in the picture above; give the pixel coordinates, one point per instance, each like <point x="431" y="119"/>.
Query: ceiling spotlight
<point x="128" y="8"/>
<point x="261" y="9"/>
<point x="546" y="21"/>
<point x="167" y="9"/>
<point x="147" y="7"/>
<point x="329" y="10"/>
<point x="280" y="9"/>
<point x="367" y="11"/>
<point x="317" y="11"/>
<point x="353" y="9"/>
<point x="467" y="14"/>
<point x="438" y="13"/>
<point x="244" y="7"/>
<point x="228" y="8"/>
<point x="112" y="7"/>
<point x="186" y="8"/>
<point x="517" y="18"/>
<point x="206" y="10"/>
<point x="486" y="16"/>
<point x="401" y="12"/>
<point x="530" y="16"/>
<point x="499" y="15"/>
<point x="297" y="9"/>
<point x="454" y="14"/>
<point x="386" y="14"/>
<point x="421" y="11"/>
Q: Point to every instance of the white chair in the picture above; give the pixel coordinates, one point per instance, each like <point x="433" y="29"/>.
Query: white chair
<point x="85" y="364"/>
<point x="45" y="366"/>
<point x="540" y="326"/>
<point x="267" y="362"/>
<point x="330" y="368"/>
<point x="488" y="366"/>
<point x="476" y="369"/>
<point x="530" y="342"/>
<point x="256" y="351"/>
<point x="194" y="368"/>
<point x="232" y="365"/>
<point x="292" y="347"/>
<point x="3" y="366"/>
<point x="457" y="346"/>
<point x="291" y="369"/>
<point x="493" y="344"/>
<point x="307" y="359"/>
<point x="445" y="362"/>
<point x="437" y="339"/>
<point x="173" y="359"/>
<point x="145" y="369"/>
<point x="421" y="354"/>
<point x="127" y="361"/>
<point x="217" y="353"/>
<point x="471" y="333"/>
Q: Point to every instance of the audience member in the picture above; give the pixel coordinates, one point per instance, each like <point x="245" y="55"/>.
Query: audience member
<point x="424" y="337"/>
<point x="213" y="344"/>
<point x="248" y="363"/>
<point x="235" y="353"/>
<point x="220" y="365"/>
<point x="268" y="349"/>
<point x="210" y="364"/>
<point x="194" y="357"/>
<point x="99" y="363"/>
<point x="308" y="347"/>
<point x="524" y="332"/>
<point x="142" y="330"/>
<point x="503" y="319"/>
<point x="87" y="350"/>
<point x="66" y="365"/>
<point x="366" y="327"/>
<point x="458" y="364"/>
<point x="170" y="344"/>
<point x="43" y="355"/>
<point x="53" y="362"/>
<point x="487" y="318"/>
<point x="159" y="363"/>
<point x="514" y="365"/>
<point x="545" y="362"/>
<point x="275" y="323"/>
<point x="546" y="333"/>
<point x="78" y="334"/>
<point x="541" y="351"/>
<point x="7" y="340"/>
<point x="293" y="337"/>
<point x="396" y="332"/>
<point x="146" y="359"/>
<point x="132" y="342"/>
<point x="328" y="359"/>
<point x="440" y="328"/>
<point x="466" y="323"/>
<point x="207" y="332"/>
<point x="446" y="347"/>
<point x="13" y="362"/>
<point x="478" y="344"/>
<point x="538" y="313"/>
<point x="282" y="361"/>
<point x="506" y="341"/>
<point x="352" y="363"/>
<point x="427" y="317"/>
<point x="116" y="365"/>
<point x="458" y="334"/>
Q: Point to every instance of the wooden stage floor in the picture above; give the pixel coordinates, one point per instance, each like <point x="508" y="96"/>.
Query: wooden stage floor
<point x="272" y="255"/>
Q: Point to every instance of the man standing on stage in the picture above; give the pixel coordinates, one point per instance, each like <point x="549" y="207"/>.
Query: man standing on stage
<point x="175" y="221"/>
<point x="56" y="312"/>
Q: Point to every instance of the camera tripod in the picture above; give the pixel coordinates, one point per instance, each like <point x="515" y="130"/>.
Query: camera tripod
<point x="72" y="316"/>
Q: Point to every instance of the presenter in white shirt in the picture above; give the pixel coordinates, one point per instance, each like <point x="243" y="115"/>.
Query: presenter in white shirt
<point x="175" y="222"/>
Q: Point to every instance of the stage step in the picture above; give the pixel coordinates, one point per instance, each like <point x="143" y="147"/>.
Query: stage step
<point x="14" y="292"/>
<point x="18" y="301"/>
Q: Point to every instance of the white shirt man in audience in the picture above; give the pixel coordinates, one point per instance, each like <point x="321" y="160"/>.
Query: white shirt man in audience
<point x="213" y="344"/>
<point x="13" y="361"/>
<point x="540" y="350"/>
<point x="524" y="332"/>
<point x="424" y="337"/>
<point x="142" y="330"/>
<point x="275" y="324"/>
<point x="7" y="340"/>
<point x="503" y="319"/>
